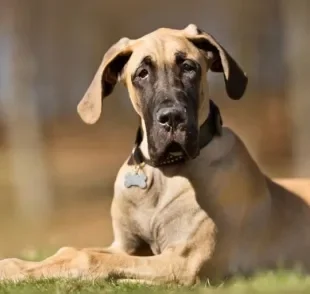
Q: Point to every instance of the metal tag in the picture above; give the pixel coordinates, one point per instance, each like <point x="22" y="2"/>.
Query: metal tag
<point x="135" y="179"/>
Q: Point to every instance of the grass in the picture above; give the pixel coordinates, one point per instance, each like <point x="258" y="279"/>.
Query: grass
<point x="270" y="282"/>
<point x="280" y="282"/>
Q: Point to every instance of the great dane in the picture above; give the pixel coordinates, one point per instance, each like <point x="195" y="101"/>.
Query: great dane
<point x="190" y="203"/>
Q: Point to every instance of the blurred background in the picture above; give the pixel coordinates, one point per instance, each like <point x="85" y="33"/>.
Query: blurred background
<point x="56" y="173"/>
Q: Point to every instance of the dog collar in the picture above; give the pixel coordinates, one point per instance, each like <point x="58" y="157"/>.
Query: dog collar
<point x="209" y="129"/>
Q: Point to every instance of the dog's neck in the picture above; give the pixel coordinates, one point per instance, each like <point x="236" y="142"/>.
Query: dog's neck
<point x="210" y="128"/>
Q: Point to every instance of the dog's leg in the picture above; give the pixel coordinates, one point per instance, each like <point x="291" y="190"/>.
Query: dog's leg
<point x="89" y="264"/>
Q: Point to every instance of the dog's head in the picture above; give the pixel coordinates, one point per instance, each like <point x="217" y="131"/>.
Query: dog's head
<point x="165" y="74"/>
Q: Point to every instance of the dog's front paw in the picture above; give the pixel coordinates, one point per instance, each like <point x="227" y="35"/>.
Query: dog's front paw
<point x="11" y="269"/>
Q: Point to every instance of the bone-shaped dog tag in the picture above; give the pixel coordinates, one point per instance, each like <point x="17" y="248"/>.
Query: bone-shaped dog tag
<point x="135" y="179"/>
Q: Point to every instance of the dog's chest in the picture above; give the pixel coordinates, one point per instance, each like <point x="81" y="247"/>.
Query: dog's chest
<point x="165" y="222"/>
<point x="163" y="213"/>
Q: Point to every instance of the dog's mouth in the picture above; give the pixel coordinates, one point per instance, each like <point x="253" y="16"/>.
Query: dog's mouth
<point x="179" y="143"/>
<point x="175" y="149"/>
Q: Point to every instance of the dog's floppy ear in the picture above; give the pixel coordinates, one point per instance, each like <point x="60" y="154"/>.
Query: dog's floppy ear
<point x="104" y="80"/>
<point x="235" y="79"/>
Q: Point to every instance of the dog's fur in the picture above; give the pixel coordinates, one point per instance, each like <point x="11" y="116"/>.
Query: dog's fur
<point x="214" y="216"/>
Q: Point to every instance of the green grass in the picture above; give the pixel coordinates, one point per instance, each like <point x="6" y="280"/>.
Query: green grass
<point x="272" y="282"/>
<point x="280" y="282"/>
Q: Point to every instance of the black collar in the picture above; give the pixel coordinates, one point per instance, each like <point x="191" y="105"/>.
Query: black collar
<point x="210" y="128"/>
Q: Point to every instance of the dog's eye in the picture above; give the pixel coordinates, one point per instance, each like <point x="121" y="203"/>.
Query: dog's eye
<point x="188" y="66"/>
<point x="142" y="73"/>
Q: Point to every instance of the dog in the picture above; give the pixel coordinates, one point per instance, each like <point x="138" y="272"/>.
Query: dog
<point x="190" y="203"/>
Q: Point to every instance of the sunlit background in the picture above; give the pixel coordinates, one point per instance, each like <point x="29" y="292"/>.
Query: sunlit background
<point x="56" y="173"/>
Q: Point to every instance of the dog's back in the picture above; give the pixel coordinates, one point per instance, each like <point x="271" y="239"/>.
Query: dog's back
<point x="290" y="225"/>
<point x="300" y="186"/>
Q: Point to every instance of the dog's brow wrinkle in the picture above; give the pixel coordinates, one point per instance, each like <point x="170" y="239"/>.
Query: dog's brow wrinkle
<point x="180" y="55"/>
<point x="180" y="90"/>
<point x="147" y="60"/>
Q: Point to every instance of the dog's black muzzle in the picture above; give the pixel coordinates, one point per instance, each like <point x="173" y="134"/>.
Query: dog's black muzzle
<point x="210" y="128"/>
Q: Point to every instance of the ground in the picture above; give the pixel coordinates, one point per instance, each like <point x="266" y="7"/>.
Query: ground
<point x="266" y="283"/>
<point x="269" y="282"/>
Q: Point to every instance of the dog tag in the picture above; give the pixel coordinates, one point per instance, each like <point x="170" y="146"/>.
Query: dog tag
<point x="135" y="179"/>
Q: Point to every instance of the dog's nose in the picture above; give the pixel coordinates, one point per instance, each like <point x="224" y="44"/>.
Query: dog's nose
<point x="171" y="117"/>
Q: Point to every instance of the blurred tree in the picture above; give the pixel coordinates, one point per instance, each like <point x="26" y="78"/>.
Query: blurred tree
<point x="29" y="172"/>
<point x="296" y="21"/>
